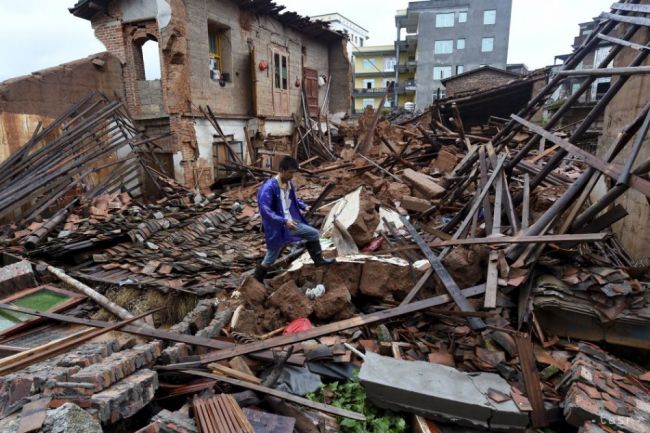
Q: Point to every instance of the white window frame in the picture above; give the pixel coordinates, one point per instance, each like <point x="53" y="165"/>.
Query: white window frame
<point x="444" y="46"/>
<point x="459" y="45"/>
<point x="389" y="64"/>
<point x="460" y="69"/>
<point x="365" y="102"/>
<point x="369" y="65"/>
<point x="370" y="81"/>
<point x="443" y="20"/>
<point x="462" y="17"/>
<point x="444" y="72"/>
<point x="485" y="45"/>
<point x="489" y="17"/>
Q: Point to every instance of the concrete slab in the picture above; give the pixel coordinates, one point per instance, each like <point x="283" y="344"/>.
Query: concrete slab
<point x="440" y="392"/>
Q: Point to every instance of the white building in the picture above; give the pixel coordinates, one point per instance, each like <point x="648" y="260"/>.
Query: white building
<point x="357" y="34"/>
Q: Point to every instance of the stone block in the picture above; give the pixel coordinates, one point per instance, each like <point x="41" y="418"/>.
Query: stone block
<point x="415" y="204"/>
<point x="15" y="277"/>
<point x="423" y="183"/>
<point x="439" y="392"/>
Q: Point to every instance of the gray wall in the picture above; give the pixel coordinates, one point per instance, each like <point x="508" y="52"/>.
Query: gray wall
<point x="473" y="31"/>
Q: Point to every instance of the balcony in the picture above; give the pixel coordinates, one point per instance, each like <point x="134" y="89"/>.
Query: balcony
<point x="375" y="91"/>
<point x="406" y="88"/>
<point x="409" y="66"/>
<point x="408" y="45"/>
<point x="375" y="74"/>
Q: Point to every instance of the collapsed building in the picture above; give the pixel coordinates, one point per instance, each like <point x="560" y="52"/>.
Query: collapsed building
<point x="491" y="271"/>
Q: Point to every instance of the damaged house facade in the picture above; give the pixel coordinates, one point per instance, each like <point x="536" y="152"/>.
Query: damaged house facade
<point x="243" y="59"/>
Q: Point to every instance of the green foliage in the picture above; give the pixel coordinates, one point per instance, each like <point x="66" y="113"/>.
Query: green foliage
<point x="350" y="395"/>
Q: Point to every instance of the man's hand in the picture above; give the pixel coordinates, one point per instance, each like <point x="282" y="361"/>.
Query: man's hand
<point x="291" y="225"/>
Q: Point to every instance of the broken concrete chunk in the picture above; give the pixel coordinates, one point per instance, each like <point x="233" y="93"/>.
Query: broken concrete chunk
<point x="439" y="392"/>
<point x="291" y="301"/>
<point x="70" y="418"/>
<point x="445" y="162"/>
<point x="382" y="278"/>
<point x="252" y="291"/>
<point x="423" y="183"/>
<point x="16" y="276"/>
<point x="415" y="204"/>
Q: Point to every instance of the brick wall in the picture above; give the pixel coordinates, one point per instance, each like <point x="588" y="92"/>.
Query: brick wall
<point x="477" y="81"/>
<point x="246" y="31"/>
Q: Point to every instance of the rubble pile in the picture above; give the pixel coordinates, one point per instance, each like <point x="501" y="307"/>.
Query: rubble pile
<point x="477" y="283"/>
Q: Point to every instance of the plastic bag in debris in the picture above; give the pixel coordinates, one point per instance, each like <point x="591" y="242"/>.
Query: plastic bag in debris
<point x="297" y="325"/>
<point x="316" y="292"/>
<point x="298" y="380"/>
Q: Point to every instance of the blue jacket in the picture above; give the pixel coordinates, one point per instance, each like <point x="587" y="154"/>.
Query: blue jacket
<point x="273" y="220"/>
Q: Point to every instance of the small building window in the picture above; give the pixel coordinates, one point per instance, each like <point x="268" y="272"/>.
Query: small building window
<point x="280" y="72"/>
<point x="487" y="45"/>
<point x="368" y="65"/>
<point x="462" y="17"/>
<point x="439" y="94"/>
<point x="441" y="72"/>
<point x="443" y="47"/>
<point x="219" y="51"/>
<point x="368" y="84"/>
<point x="460" y="44"/>
<point x="460" y="69"/>
<point x="489" y="16"/>
<point x="445" y="20"/>
<point x="368" y="101"/>
<point x="389" y="64"/>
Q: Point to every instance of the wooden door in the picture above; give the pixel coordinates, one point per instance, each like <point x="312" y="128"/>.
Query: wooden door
<point x="280" y="83"/>
<point x="310" y="81"/>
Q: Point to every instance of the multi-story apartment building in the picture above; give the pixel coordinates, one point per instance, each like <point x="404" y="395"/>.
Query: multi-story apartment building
<point x="373" y="71"/>
<point x="442" y="38"/>
<point x="357" y="35"/>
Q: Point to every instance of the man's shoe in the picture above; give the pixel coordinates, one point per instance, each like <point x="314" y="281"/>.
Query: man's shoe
<point x="316" y="254"/>
<point x="260" y="273"/>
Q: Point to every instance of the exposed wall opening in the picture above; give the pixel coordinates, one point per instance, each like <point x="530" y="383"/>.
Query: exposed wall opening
<point x="150" y="60"/>
<point x="219" y="54"/>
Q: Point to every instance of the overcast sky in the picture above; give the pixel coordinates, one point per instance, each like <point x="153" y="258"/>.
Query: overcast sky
<point x="37" y="34"/>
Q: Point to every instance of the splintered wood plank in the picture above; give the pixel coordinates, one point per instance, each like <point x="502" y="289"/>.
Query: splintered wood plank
<point x="531" y="378"/>
<point x="446" y="279"/>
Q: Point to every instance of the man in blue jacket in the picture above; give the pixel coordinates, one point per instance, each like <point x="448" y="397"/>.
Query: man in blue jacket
<point x="282" y="221"/>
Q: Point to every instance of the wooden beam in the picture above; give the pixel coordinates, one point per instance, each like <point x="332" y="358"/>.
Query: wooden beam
<point x="628" y="7"/>
<point x="283" y="395"/>
<point x="606" y="72"/>
<point x="639" y="21"/>
<point x="477" y="203"/>
<point x="146" y="332"/>
<point x="446" y="279"/>
<point x="611" y="170"/>
<point x="39" y="354"/>
<point x="540" y="239"/>
<point x="622" y="42"/>
<point x="531" y="378"/>
<point x="319" y="331"/>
